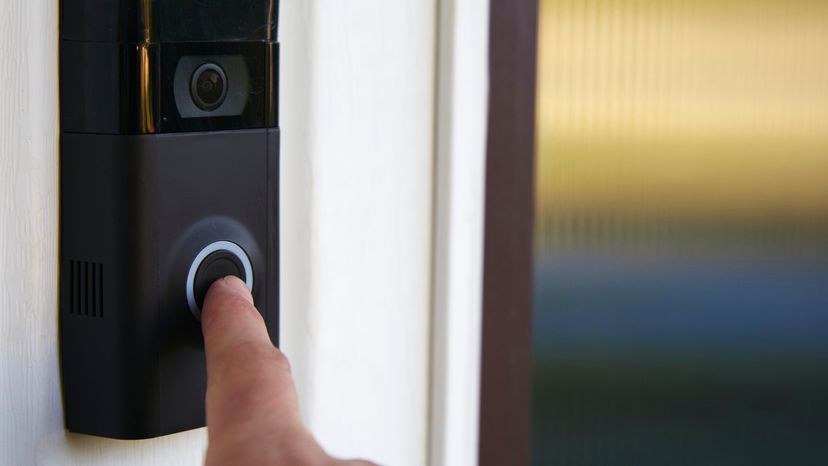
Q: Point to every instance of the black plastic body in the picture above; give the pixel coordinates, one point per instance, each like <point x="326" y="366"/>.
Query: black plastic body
<point x="143" y="190"/>
<point x="118" y="59"/>
<point x="116" y="88"/>
<point x="168" y="21"/>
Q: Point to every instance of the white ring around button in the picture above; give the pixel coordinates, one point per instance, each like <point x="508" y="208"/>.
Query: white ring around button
<point x="228" y="246"/>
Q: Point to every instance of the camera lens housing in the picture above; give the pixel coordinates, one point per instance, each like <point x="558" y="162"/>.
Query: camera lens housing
<point x="208" y="86"/>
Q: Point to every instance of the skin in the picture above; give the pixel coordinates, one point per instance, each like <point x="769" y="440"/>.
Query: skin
<point x="252" y="407"/>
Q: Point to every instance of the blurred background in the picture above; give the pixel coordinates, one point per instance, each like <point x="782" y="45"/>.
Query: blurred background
<point x="681" y="265"/>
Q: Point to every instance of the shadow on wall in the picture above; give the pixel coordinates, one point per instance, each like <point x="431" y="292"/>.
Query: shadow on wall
<point x="63" y="448"/>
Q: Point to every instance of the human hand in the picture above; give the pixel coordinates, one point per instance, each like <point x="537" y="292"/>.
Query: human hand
<point x="252" y="408"/>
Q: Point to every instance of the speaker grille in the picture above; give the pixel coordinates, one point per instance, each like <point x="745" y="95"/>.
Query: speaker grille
<point x="86" y="288"/>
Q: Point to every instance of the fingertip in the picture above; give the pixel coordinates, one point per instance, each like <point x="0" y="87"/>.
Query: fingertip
<point x="231" y="284"/>
<point x="225" y="299"/>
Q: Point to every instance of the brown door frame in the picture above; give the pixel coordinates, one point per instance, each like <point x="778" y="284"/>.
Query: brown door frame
<point x="505" y="397"/>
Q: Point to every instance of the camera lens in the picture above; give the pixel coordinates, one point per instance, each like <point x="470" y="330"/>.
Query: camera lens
<point x="208" y="86"/>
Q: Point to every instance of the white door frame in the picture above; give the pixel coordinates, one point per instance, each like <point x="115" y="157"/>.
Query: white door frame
<point x="462" y="111"/>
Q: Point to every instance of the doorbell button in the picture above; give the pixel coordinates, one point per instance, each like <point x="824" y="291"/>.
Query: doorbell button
<point x="217" y="260"/>
<point x="217" y="265"/>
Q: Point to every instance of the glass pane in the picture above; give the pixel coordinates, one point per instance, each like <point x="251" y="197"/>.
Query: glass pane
<point x="681" y="284"/>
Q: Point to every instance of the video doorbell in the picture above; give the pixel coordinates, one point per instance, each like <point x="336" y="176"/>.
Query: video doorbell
<point x="169" y="164"/>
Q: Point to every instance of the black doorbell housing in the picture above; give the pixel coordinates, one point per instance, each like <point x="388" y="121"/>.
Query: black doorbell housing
<point x="169" y="180"/>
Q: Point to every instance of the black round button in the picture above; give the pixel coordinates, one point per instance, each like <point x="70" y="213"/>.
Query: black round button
<point x="214" y="261"/>
<point x="217" y="265"/>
